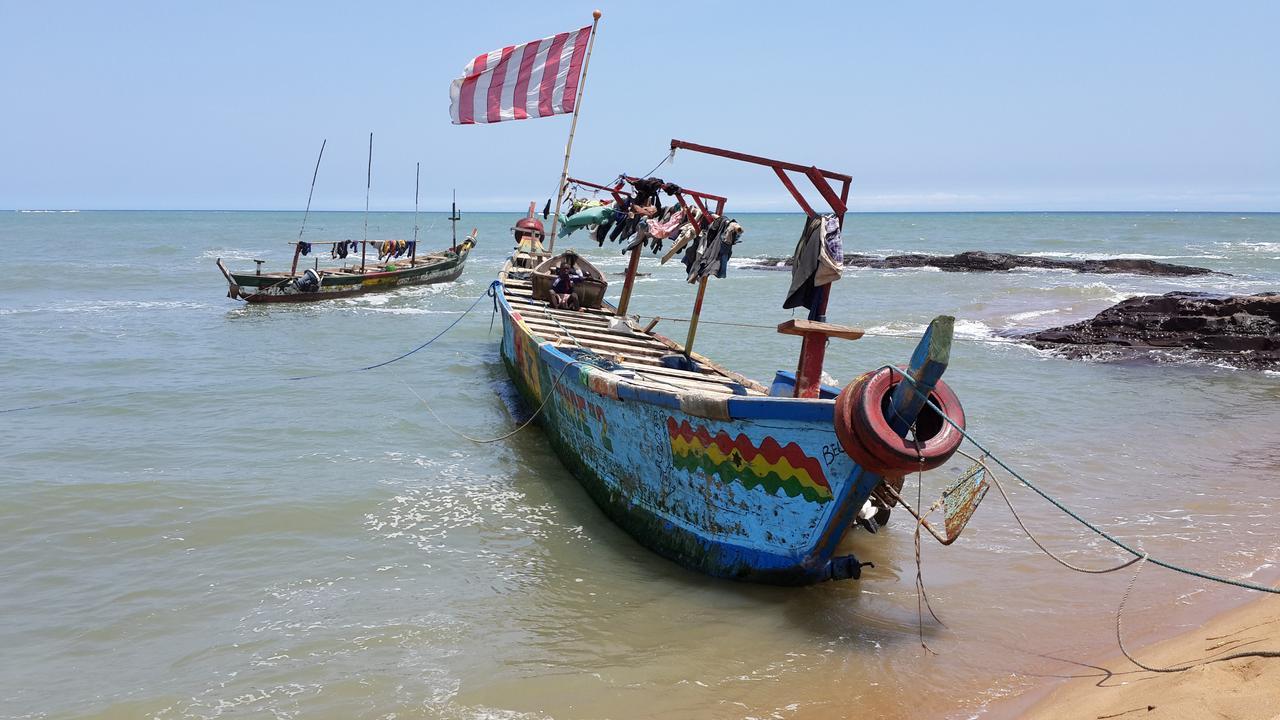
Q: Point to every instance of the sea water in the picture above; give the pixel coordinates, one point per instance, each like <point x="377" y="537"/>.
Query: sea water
<point x="187" y="531"/>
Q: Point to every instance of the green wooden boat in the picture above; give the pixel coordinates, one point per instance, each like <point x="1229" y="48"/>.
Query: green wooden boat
<point x="354" y="278"/>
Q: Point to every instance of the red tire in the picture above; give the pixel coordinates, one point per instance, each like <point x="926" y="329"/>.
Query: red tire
<point x="863" y="429"/>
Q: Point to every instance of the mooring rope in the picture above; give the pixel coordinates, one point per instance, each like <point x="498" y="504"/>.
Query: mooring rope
<point x="487" y="293"/>
<point x="75" y="401"/>
<point x="1187" y="665"/>
<point x="545" y="398"/>
<point x="1075" y="516"/>
<point x="1031" y="536"/>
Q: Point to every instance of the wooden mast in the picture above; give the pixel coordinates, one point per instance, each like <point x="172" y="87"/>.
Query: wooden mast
<point x="294" y="270"/>
<point x="417" y="176"/>
<point x="368" y="183"/>
<point x="573" y="126"/>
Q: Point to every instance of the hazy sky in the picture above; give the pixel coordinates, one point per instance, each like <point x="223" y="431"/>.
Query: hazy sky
<point x="929" y="106"/>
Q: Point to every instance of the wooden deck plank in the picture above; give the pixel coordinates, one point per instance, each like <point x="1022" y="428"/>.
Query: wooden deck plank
<point x="637" y="341"/>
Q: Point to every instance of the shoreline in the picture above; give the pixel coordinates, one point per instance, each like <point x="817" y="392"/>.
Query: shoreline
<point x="1240" y="689"/>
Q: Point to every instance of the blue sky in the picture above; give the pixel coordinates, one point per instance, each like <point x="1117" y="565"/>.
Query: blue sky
<point x="929" y="106"/>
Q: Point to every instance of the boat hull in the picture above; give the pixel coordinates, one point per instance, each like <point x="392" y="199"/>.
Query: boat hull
<point x="279" y="289"/>
<point x="752" y="488"/>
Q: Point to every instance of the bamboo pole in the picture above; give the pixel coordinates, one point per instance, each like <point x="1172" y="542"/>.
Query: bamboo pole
<point x="568" y="147"/>
<point x="417" y="176"/>
<point x="293" y="271"/>
<point x="693" y="320"/>
<point x="627" y="286"/>
<point x="368" y="183"/>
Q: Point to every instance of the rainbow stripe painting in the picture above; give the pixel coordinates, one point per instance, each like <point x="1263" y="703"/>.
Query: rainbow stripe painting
<point x="770" y="466"/>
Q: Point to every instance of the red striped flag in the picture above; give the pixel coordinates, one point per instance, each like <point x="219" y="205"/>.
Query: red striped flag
<point x="517" y="82"/>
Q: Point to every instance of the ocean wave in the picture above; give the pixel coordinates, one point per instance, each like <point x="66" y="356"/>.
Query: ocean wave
<point x="100" y="306"/>
<point x="41" y="212"/>
<point x="1030" y="314"/>
<point x="233" y="255"/>
<point x="1122" y="256"/>
<point x="1076" y="292"/>
<point x="1251" y="246"/>
<point x="411" y="311"/>
<point x="964" y="328"/>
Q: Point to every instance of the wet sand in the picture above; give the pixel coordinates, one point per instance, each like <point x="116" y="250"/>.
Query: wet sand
<point x="1240" y="689"/>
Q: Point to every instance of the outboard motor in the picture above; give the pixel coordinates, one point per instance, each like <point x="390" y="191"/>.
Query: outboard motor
<point x="307" y="282"/>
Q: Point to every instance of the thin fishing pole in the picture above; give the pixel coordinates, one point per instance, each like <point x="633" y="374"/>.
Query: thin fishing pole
<point x="417" y="176"/>
<point x="313" y="188"/>
<point x="368" y="183"/>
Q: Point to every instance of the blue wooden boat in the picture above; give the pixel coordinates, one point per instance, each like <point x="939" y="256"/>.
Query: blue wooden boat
<point x="715" y="471"/>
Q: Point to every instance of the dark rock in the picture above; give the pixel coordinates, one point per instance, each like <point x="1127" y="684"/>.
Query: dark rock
<point x="978" y="261"/>
<point x="1240" y="330"/>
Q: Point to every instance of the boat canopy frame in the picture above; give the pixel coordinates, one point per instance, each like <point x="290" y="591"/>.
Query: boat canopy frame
<point x="813" y="346"/>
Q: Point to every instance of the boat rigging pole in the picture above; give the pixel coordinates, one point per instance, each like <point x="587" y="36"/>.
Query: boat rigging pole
<point x="417" y="176"/>
<point x="454" y="217"/>
<point x="368" y="183"/>
<point x="297" y="248"/>
<point x="568" y="147"/>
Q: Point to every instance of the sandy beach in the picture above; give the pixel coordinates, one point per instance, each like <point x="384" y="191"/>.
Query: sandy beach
<point x="1240" y="689"/>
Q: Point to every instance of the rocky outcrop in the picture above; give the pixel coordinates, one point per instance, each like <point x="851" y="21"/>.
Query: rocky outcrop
<point x="1241" y="330"/>
<point x="978" y="261"/>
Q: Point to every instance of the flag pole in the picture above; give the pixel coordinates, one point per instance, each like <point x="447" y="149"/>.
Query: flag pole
<point x="568" y="147"/>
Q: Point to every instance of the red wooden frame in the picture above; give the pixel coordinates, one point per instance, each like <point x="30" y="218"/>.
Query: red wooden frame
<point x="813" y="347"/>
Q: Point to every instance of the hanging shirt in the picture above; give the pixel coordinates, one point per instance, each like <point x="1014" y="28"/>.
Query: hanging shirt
<point x="714" y="251"/>
<point x="804" y="265"/>
<point x="831" y="236"/>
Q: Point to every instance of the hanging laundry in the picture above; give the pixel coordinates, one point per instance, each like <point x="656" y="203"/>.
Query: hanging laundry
<point x="590" y="216"/>
<point x="411" y="247"/>
<point x="304" y="248"/>
<point x="602" y="230"/>
<point x="646" y="191"/>
<point x="661" y="229"/>
<point x="715" y="251"/>
<point x="693" y="250"/>
<point x="687" y="232"/>
<point x="577" y="205"/>
<point x="642" y="235"/>
<point x="812" y="266"/>
<point x="831" y="236"/>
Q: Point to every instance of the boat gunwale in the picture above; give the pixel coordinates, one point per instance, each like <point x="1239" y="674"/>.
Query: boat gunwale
<point x="690" y="401"/>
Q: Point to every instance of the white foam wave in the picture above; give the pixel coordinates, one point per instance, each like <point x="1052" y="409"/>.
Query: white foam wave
<point x="48" y="211"/>
<point x="964" y="328"/>
<point x="411" y="311"/>
<point x="100" y="306"/>
<point x="1251" y="246"/>
<point x="233" y="255"/>
<point x="1110" y="256"/>
<point x="1030" y="314"/>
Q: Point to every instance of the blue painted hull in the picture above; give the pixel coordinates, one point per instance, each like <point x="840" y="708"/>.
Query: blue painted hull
<point x="747" y="487"/>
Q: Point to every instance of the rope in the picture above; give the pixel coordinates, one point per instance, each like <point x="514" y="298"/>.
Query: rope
<point x="487" y="293"/>
<point x="1101" y="533"/>
<point x="1060" y="561"/>
<point x="1185" y="666"/>
<point x="757" y="326"/>
<point x="922" y="597"/>
<point x="666" y="159"/>
<point x="45" y="405"/>
<point x="546" y="397"/>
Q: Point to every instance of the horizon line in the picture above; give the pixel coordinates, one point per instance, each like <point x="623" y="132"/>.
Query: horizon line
<point x="741" y="212"/>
